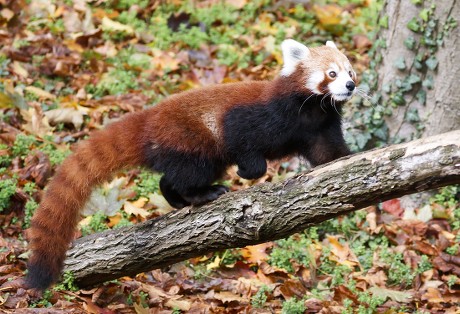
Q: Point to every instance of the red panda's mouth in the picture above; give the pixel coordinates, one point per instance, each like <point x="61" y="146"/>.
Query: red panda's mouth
<point x="345" y="94"/>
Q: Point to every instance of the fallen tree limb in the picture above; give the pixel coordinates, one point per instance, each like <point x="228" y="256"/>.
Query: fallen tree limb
<point x="268" y="211"/>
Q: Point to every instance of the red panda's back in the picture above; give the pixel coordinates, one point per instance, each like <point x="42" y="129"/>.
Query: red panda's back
<point x="192" y="121"/>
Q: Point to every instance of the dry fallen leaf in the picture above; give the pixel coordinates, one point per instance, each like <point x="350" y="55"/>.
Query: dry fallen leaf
<point x="342" y="253"/>
<point x="113" y="26"/>
<point x="40" y="93"/>
<point x="36" y="121"/>
<point x="131" y="209"/>
<point x="256" y="253"/>
<point x="398" y="296"/>
<point x="66" y="115"/>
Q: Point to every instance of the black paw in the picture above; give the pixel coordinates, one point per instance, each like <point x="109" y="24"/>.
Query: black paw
<point x="206" y="195"/>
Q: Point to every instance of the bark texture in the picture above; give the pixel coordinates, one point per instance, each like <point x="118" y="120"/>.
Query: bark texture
<point x="268" y="211"/>
<point x="441" y="112"/>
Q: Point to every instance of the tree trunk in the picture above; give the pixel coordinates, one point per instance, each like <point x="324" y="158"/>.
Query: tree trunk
<point x="268" y="211"/>
<point x="420" y="67"/>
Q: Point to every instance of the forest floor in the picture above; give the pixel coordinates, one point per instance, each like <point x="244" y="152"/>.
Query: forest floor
<point x="70" y="67"/>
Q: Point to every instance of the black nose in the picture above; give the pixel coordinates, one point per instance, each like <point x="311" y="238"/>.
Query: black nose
<point x="350" y="85"/>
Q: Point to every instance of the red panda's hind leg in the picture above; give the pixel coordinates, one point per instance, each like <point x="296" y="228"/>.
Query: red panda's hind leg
<point x="172" y="196"/>
<point x="187" y="178"/>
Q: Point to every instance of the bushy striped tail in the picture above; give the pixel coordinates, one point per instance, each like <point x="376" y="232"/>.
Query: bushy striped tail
<point x="94" y="161"/>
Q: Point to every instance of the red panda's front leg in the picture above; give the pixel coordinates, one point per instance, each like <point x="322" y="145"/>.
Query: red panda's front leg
<point x="251" y="166"/>
<point x="326" y="147"/>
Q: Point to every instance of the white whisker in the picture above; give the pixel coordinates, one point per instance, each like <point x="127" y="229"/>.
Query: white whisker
<point x="305" y="102"/>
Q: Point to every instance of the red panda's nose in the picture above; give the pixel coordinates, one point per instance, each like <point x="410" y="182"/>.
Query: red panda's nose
<point x="350" y="85"/>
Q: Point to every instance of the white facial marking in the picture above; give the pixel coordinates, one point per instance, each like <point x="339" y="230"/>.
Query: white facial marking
<point x="314" y="80"/>
<point x="338" y="86"/>
<point x="293" y="53"/>
<point x="331" y="44"/>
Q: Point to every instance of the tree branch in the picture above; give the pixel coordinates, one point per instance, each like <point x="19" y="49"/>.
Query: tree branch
<point x="268" y="211"/>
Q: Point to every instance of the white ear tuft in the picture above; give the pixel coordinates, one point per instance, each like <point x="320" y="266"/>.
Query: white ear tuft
<point x="331" y="44"/>
<point x="293" y="53"/>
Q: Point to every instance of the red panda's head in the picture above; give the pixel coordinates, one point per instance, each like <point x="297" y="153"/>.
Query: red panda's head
<point x="324" y="70"/>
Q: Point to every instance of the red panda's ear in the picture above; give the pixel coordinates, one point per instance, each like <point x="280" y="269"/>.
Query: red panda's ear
<point x="293" y="53"/>
<point x="331" y="44"/>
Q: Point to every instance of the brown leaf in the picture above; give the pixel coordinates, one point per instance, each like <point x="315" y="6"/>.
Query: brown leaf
<point x="36" y="121"/>
<point x="361" y="42"/>
<point x="413" y="227"/>
<point x="256" y="253"/>
<point x="183" y="305"/>
<point x="38" y="167"/>
<point x="341" y="293"/>
<point x="291" y="288"/>
<point x="227" y="297"/>
<point x="375" y="277"/>
<point x="425" y="248"/>
<point x="342" y="253"/>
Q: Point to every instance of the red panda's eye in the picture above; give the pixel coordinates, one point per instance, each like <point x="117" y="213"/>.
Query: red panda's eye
<point x="332" y="74"/>
<point x="350" y="73"/>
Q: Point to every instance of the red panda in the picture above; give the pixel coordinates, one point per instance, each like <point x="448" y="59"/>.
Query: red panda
<point x="192" y="137"/>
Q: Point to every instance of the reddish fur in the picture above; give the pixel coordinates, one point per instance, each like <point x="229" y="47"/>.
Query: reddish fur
<point x="54" y="222"/>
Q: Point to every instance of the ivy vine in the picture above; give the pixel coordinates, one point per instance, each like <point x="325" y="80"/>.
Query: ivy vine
<point x="369" y="127"/>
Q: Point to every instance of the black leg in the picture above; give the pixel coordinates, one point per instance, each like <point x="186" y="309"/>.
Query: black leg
<point x="171" y="195"/>
<point x="251" y="166"/>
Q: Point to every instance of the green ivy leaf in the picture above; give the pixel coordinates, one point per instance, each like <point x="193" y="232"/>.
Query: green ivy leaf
<point x="421" y="96"/>
<point x="413" y="79"/>
<point x="412" y="115"/>
<point x="418" y="65"/>
<point x="424" y="14"/>
<point x="400" y="63"/>
<point x="428" y="82"/>
<point x="384" y="21"/>
<point x="413" y="25"/>
<point x="398" y="99"/>
<point x="386" y="88"/>
<point x="431" y="63"/>
<point x="410" y="43"/>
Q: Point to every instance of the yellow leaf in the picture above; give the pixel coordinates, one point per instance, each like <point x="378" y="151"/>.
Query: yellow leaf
<point x="256" y="253"/>
<point x="19" y="69"/>
<point x="132" y="209"/>
<point x="5" y="101"/>
<point x="342" y="253"/>
<point x="85" y="221"/>
<point x="214" y="264"/>
<point x="40" y="93"/>
<point x="113" y="26"/>
<point x="140" y="202"/>
<point x="328" y="15"/>
<point x="114" y="220"/>
<point x="140" y="309"/>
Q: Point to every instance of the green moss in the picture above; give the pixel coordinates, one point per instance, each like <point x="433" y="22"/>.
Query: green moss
<point x="7" y="189"/>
